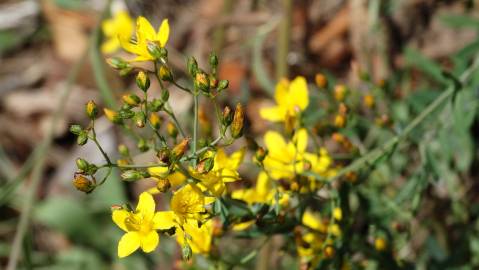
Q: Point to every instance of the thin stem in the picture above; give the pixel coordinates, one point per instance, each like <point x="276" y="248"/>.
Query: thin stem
<point x="195" y="124"/>
<point x="94" y="139"/>
<point x="284" y="38"/>
<point x="170" y="112"/>
<point x="378" y="152"/>
<point x="180" y="86"/>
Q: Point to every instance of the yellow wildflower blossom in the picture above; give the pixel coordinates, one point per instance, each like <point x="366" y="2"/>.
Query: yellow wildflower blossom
<point x="120" y="23"/>
<point x="140" y="226"/>
<point x="145" y="34"/>
<point x="291" y="98"/>
<point x="263" y="192"/>
<point x="225" y="170"/>
<point x="198" y="237"/>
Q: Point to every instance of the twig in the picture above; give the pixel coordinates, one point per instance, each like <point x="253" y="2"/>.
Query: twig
<point x="283" y="40"/>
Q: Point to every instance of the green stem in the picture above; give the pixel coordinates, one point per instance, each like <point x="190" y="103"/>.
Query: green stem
<point x="94" y="139"/>
<point x="195" y="124"/>
<point x="284" y="37"/>
<point x="170" y="112"/>
<point x="392" y="143"/>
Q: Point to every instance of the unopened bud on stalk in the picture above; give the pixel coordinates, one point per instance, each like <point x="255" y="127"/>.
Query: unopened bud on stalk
<point x="164" y="155"/>
<point x="238" y="122"/>
<point x="133" y="175"/>
<point x="206" y="165"/>
<point x="192" y="66"/>
<point x="171" y="130"/>
<point x="260" y="154"/>
<point x="163" y="184"/>
<point x="213" y="59"/>
<point x="213" y="82"/>
<point x="118" y="63"/>
<point x="91" y="109"/>
<point x="122" y="162"/>
<point x="82" y="164"/>
<point x="329" y="252"/>
<point x="223" y="84"/>
<point x="131" y="99"/>
<point x="140" y="119"/>
<point x="321" y="80"/>
<point x="380" y="244"/>
<point x="165" y="74"/>
<point x="83" y="184"/>
<point x="202" y="82"/>
<point x="340" y="92"/>
<point x="76" y="129"/>
<point x="155" y="120"/>
<point x="82" y="138"/>
<point x="154" y="49"/>
<point x="123" y="150"/>
<point x="369" y="101"/>
<point x="165" y="95"/>
<point x="143" y="81"/>
<point x="142" y="145"/>
<point x="180" y="149"/>
<point x="112" y="116"/>
<point x="340" y="121"/>
<point x="227" y="116"/>
<point x="156" y="105"/>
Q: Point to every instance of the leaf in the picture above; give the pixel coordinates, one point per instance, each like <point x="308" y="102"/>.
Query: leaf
<point x="459" y="21"/>
<point x="424" y="64"/>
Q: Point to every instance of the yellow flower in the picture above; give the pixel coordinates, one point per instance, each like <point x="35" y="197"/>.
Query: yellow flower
<point x="120" y="23"/>
<point x="198" y="237"/>
<point x="284" y="159"/>
<point x="225" y="170"/>
<point x="263" y="192"/>
<point x="145" y="34"/>
<point x="315" y="222"/>
<point x="175" y="178"/>
<point x="291" y="99"/>
<point x="140" y="226"/>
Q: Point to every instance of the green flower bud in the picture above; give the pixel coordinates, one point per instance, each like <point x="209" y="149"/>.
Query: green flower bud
<point x="142" y="145"/>
<point x="223" y="84"/>
<point x="76" y="129"/>
<point x="156" y="105"/>
<point x="154" y="49"/>
<point x="123" y="150"/>
<point x="227" y="117"/>
<point x="143" y="81"/>
<point x="155" y="120"/>
<point x="165" y="95"/>
<point x="140" y="119"/>
<point x="202" y="82"/>
<point x="165" y="74"/>
<point x="82" y="164"/>
<point x="171" y="130"/>
<point x="186" y="252"/>
<point x="213" y="59"/>
<point x="91" y="109"/>
<point x="206" y="165"/>
<point x="131" y="99"/>
<point x="133" y="175"/>
<point x="82" y="138"/>
<point x="260" y="154"/>
<point x="192" y="66"/>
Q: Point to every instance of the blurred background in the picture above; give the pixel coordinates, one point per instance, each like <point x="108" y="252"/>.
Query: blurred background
<point x="47" y="75"/>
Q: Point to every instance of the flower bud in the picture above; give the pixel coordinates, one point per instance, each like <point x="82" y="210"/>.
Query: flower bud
<point x="142" y="145"/>
<point x="329" y="252"/>
<point x="82" y="138"/>
<point x="133" y="175"/>
<point x="82" y="164"/>
<point x="206" y="165"/>
<point x="140" y="119"/>
<point x="202" y="82"/>
<point x="131" y="99"/>
<point x="83" y="184"/>
<point x="223" y="84"/>
<point x="143" y="81"/>
<point x="340" y="92"/>
<point x="260" y="154"/>
<point x="171" y="130"/>
<point x="76" y="129"/>
<point x="155" y="120"/>
<point x="213" y="59"/>
<point x="118" y="63"/>
<point x="192" y="66"/>
<point x="156" y="105"/>
<point x="163" y="184"/>
<point x="123" y="150"/>
<point x="368" y="101"/>
<point x="186" y="252"/>
<point x="339" y="121"/>
<point x="163" y="155"/>
<point x="165" y="74"/>
<point x="91" y="109"/>
<point x="380" y="244"/>
<point x="112" y="116"/>
<point x="321" y="80"/>
<point x="238" y="122"/>
<point x="213" y="82"/>
<point x="122" y="162"/>
<point x="227" y="116"/>
<point x="180" y="149"/>
<point x="337" y="213"/>
<point x="343" y="109"/>
<point x="351" y="177"/>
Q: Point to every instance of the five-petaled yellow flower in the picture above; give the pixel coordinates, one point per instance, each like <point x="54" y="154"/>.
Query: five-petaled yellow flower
<point x="140" y="226"/>
<point x="263" y="192"/>
<point x="198" y="237"/>
<point x="291" y="99"/>
<point x="145" y="34"/>
<point x="120" y="24"/>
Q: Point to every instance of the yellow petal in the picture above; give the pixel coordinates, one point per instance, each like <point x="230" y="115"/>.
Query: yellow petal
<point x="129" y="242"/>
<point x="263" y="184"/>
<point x="235" y="159"/>
<point x="119" y="217"/>
<point x="243" y="225"/>
<point x="176" y="179"/>
<point x="273" y="114"/>
<point x="164" y="220"/>
<point x="146" y="206"/>
<point x="163" y="32"/>
<point x="125" y="43"/>
<point x="300" y="140"/>
<point x="209" y="200"/>
<point x="221" y="159"/>
<point x="160" y="171"/>
<point x="144" y="30"/>
<point x="299" y="92"/>
<point x="281" y="92"/>
<point x="110" y="46"/>
<point x="108" y="28"/>
<point x="275" y="143"/>
<point x="149" y="241"/>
